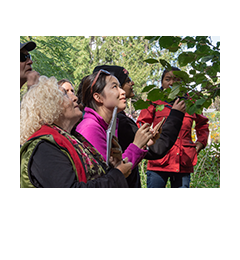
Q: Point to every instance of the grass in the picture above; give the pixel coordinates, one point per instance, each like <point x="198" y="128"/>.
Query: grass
<point x="206" y="172"/>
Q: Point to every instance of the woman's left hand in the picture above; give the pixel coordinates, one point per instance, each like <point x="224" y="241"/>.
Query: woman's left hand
<point x="156" y="135"/>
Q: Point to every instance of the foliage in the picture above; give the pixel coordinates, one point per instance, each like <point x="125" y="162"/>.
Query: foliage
<point x="203" y="65"/>
<point x="74" y="57"/>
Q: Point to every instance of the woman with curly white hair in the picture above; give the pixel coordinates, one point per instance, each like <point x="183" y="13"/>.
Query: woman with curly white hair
<point x="50" y="156"/>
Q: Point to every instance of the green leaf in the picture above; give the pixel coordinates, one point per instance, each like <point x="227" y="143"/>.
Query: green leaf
<point x="193" y="72"/>
<point x="151" y="61"/>
<point x="165" y="64"/>
<point x="174" y="91"/>
<point x="185" y="58"/>
<point x="183" y="75"/>
<point x="155" y="94"/>
<point x="166" y="41"/>
<point x="190" y="41"/>
<point x="160" y="107"/>
<point x="141" y="104"/>
<point x="199" y="102"/>
<point x="170" y="42"/>
<point x="207" y="58"/>
<point x="191" y="110"/>
<point x="199" y="78"/>
<point x="207" y="103"/>
<point x="147" y="88"/>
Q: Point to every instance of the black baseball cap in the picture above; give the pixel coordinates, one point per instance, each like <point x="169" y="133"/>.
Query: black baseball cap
<point x="29" y="46"/>
<point x="119" y="72"/>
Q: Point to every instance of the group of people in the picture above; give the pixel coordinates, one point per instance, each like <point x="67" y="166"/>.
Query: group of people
<point x="63" y="134"/>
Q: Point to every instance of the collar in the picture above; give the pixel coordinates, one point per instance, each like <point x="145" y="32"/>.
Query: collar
<point x="92" y="114"/>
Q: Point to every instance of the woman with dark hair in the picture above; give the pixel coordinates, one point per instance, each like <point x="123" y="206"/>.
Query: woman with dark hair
<point x="101" y="93"/>
<point x="127" y="128"/>
<point x="178" y="163"/>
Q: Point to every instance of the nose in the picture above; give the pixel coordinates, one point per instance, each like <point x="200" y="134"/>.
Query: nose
<point x="74" y="98"/>
<point x="29" y="61"/>
<point x="171" y="82"/>
<point x="132" y="83"/>
<point x="122" y="92"/>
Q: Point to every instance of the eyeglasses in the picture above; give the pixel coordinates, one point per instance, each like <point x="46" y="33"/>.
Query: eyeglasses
<point x="24" y="57"/>
<point x="97" y="76"/>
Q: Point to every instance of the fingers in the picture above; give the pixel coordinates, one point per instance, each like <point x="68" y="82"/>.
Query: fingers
<point x="176" y="101"/>
<point x="145" y="127"/>
<point x="125" y="167"/>
<point x="179" y="105"/>
<point x="115" y="143"/>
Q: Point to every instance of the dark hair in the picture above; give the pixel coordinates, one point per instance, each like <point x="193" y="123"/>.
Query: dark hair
<point x="165" y="71"/>
<point x="62" y="81"/>
<point x="87" y="94"/>
<point x="79" y="92"/>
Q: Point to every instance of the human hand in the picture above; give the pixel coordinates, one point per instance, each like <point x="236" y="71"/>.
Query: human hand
<point x="179" y="105"/>
<point x="125" y="167"/>
<point x="32" y="78"/>
<point x="199" y="147"/>
<point x="142" y="136"/>
<point x="155" y="137"/>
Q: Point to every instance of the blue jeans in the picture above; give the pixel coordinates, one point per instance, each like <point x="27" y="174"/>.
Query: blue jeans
<point x="159" y="179"/>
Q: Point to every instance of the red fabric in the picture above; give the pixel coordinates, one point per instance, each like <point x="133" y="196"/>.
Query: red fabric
<point x="64" y="142"/>
<point x="182" y="156"/>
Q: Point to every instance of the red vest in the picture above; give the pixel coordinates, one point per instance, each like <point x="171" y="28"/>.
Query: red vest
<point x="65" y="143"/>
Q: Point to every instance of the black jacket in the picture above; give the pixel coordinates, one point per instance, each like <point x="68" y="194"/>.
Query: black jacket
<point x="49" y="167"/>
<point x="170" y="130"/>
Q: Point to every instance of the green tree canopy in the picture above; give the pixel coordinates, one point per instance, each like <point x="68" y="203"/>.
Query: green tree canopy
<point x="74" y="57"/>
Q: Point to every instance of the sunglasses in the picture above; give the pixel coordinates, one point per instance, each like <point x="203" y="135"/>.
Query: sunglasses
<point x="24" y="57"/>
<point x="97" y="76"/>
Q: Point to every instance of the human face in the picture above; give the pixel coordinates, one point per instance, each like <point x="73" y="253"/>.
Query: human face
<point x="169" y="79"/>
<point x="71" y="112"/>
<point x="128" y="88"/>
<point x="71" y="93"/>
<point x="25" y="68"/>
<point x="112" y="95"/>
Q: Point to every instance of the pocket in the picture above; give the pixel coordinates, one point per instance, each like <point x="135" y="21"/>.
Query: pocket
<point x="164" y="161"/>
<point x="189" y="155"/>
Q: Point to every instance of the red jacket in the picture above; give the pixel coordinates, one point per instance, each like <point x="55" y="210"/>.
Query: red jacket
<point x="182" y="156"/>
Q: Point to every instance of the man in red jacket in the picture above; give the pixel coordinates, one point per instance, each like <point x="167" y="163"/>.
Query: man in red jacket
<point x="178" y="163"/>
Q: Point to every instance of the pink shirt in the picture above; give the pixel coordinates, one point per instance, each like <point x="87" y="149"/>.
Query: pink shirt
<point x="93" y="128"/>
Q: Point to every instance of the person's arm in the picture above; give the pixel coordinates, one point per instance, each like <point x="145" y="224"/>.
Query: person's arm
<point x="50" y="168"/>
<point x="168" y="137"/>
<point x="202" y="132"/>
